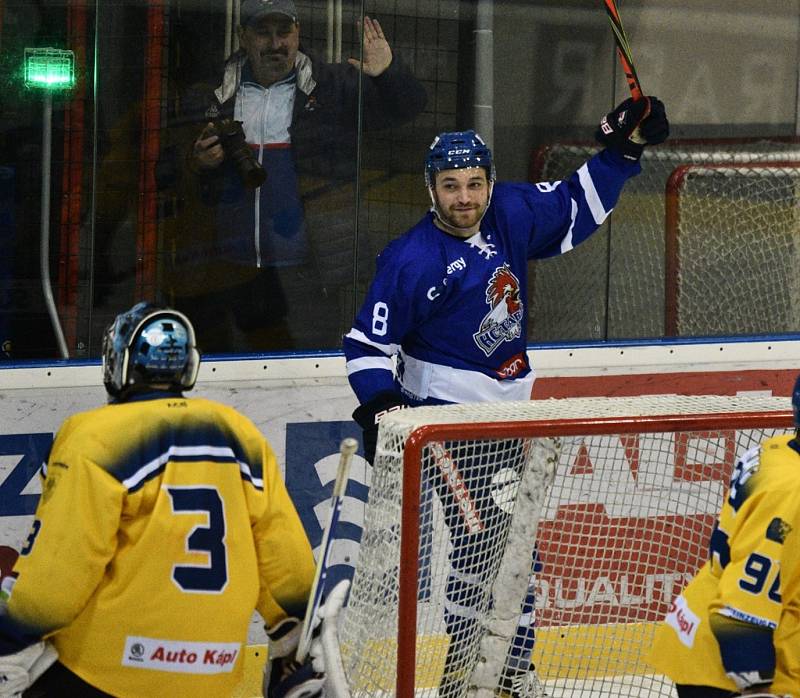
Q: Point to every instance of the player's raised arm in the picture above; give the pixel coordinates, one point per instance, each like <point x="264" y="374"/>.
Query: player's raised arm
<point x="566" y="213"/>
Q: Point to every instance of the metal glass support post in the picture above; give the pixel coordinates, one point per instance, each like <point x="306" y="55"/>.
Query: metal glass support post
<point x="44" y="238"/>
<point x="49" y="69"/>
<point x="484" y="71"/>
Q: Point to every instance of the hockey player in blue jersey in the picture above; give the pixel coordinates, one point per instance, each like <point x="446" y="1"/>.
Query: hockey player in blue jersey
<point x="448" y="298"/>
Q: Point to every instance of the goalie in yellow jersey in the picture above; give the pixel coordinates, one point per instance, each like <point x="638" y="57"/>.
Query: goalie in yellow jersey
<point x="735" y="629"/>
<point x="163" y="523"/>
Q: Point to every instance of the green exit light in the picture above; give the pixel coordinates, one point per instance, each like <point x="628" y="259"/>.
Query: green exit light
<point x="49" y="68"/>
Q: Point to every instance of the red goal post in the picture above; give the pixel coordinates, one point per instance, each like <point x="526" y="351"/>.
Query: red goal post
<point x="619" y="496"/>
<point x="615" y="280"/>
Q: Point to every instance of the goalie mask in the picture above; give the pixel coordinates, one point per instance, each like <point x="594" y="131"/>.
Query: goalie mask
<point x="148" y="346"/>
<point x="456" y="150"/>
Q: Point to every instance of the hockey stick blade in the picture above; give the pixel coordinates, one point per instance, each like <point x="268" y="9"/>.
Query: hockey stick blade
<point x="346" y="450"/>
<point x="623" y="50"/>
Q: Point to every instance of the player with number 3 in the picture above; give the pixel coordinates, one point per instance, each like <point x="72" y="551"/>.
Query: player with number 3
<point x="163" y="523"/>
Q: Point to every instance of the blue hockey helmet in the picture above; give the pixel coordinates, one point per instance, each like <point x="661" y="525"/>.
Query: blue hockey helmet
<point x="457" y="150"/>
<point x="148" y="345"/>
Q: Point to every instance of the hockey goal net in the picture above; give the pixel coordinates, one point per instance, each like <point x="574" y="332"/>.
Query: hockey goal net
<point x="614" y="498"/>
<point x="615" y="280"/>
<point x="732" y="236"/>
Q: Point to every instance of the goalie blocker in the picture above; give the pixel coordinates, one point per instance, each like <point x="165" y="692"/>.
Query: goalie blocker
<point x="321" y="673"/>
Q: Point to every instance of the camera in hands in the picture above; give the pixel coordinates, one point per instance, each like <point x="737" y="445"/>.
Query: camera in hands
<point x="231" y="138"/>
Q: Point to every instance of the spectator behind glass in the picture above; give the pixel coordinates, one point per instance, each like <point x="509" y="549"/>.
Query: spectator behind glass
<point x="259" y="267"/>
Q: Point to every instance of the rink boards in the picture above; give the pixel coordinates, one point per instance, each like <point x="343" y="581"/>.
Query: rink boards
<point x="303" y="408"/>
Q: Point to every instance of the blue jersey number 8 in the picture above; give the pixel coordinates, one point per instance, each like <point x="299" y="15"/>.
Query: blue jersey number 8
<point x="209" y="539"/>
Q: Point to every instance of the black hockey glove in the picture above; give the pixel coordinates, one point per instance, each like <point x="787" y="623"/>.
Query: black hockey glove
<point x="633" y="125"/>
<point x="369" y="415"/>
<point x="284" y="677"/>
<point x="294" y="680"/>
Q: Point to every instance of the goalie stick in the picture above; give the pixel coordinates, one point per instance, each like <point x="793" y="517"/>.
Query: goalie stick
<point x="624" y="50"/>
<point x="346" y="450"/>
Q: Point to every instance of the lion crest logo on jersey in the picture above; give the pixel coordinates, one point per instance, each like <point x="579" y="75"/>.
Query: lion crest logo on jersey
<point x="503" y="322"/>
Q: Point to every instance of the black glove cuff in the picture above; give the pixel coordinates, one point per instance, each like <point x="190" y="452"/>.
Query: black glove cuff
<point x="625" y="147"/>
<point x="369" y="414"/>
<point x="630" y="150"/>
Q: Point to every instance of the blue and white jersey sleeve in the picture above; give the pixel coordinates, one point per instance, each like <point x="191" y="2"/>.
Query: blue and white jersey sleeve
<point x="560" y="215"/>
<point x="390" y="311"/>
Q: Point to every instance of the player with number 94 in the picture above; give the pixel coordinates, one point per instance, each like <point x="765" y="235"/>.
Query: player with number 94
<point x="735" y="629"/>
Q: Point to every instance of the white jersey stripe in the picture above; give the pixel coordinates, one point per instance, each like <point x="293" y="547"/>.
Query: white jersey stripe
<point x="213" y="452"/>
<point x="566" y="243"/>
<point x="359" y="336"/>
<point x="369" y="362"/>
<point x="592" y="197"/>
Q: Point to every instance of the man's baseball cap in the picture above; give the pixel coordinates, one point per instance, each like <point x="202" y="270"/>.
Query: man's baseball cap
<point x="252" y="10"/>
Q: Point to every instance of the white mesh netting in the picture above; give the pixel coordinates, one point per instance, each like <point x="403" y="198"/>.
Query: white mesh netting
<point x="624" y="491"/>
<point x="616" y="280"/>
<point x="733" y="233"/>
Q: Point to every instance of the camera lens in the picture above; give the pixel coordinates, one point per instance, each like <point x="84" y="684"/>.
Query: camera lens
<point x="231" y="136"/>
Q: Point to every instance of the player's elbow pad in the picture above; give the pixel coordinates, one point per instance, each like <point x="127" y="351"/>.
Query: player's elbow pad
<point x="747" y="651"/>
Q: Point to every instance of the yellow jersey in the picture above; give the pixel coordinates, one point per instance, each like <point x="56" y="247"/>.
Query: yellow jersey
<point x="163" y="523"/>
<point x="740" y="616"/>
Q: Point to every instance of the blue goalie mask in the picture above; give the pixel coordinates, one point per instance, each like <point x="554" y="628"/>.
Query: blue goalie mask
<point x="147" y="346"/>
<point x="457" y="150"/>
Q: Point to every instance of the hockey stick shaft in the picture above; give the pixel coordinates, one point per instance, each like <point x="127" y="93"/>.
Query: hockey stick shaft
<point x="624" y="50"/>
<point x="455" y="483"/>
<point x="346" y="450"/>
